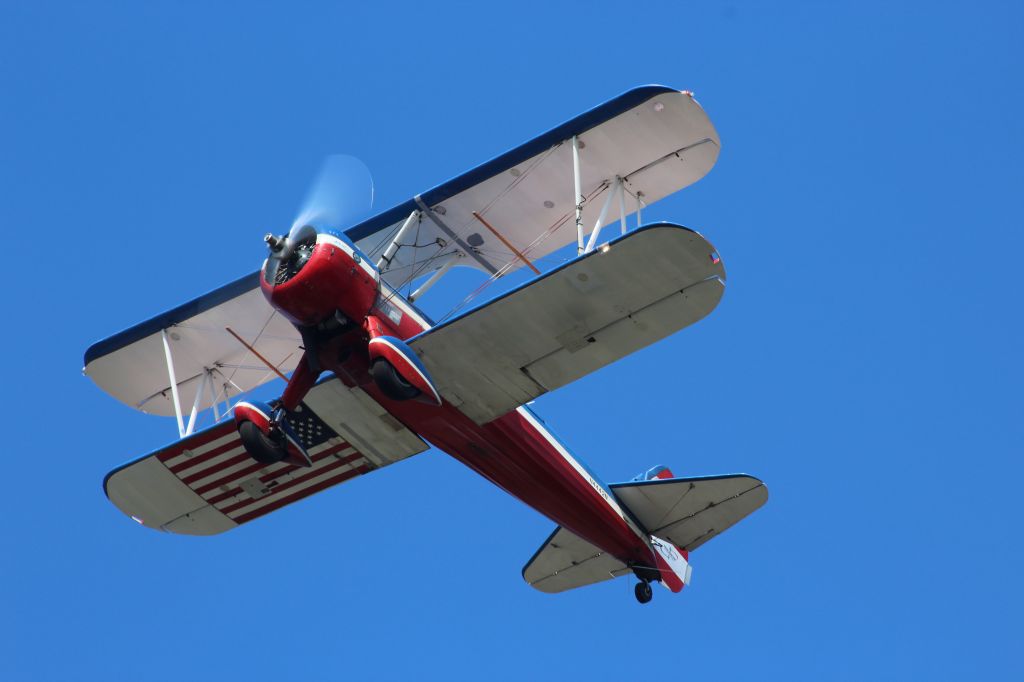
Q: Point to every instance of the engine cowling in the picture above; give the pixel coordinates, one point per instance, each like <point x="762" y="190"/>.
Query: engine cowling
<point x="312" y="275"/>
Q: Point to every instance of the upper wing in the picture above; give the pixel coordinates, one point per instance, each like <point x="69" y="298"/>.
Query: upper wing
<point x="690" y="511"/>
<point x="207" y="483"/>
<point x="657" y="139"/>
<point x="132" y="365"/>
<point x="573" y="320"/>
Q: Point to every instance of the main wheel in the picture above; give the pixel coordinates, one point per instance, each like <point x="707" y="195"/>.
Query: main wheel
<point x="260" y="446"/>
<point x="390" y="382"/>
<point x="643" y="592"/>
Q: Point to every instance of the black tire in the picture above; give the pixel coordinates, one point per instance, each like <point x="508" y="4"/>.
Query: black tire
<point x="261" y="447"/>
<point x="643" y="592"/>
<point x="390" y="382"/>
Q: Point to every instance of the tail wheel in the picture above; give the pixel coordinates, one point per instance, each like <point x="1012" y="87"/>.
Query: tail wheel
<point x="390" y="382"/>
<point x="261" y="447"/>
<point x="643" y="592"/>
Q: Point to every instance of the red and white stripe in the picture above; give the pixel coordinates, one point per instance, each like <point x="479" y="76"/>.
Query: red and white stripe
<point x="214" y="464"/>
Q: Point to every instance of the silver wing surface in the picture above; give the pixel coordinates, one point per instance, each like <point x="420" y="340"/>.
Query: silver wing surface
<point x="207" y="484"/>
<point x="685" y="511"/>
<point x="573" y="320"/>
<point x="690" y="511"/>
<point x="566" y="561"/>
<point x="209" y="362"/>
<point x="657" y="140"/>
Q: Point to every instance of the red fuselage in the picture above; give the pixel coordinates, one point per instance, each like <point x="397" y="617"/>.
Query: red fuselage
<point x="515" y="451"/>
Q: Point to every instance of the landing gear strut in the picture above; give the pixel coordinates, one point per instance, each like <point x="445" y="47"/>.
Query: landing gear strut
<point x="643" y="592"/>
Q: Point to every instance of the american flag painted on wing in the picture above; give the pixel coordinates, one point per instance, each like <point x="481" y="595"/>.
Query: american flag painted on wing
<point x="310" y="429"/>
<point x="217" y="468"/>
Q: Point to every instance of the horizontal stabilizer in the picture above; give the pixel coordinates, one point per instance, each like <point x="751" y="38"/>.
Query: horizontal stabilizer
<point x="690" y="511"/>
<point x="687" y="512"/>
<point x="566" y="561"/>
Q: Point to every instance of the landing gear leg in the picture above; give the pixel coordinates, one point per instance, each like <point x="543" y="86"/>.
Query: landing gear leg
<point x="266" y="435"/>
<point x="303" y="378"/>
<point x="643" y="592"/>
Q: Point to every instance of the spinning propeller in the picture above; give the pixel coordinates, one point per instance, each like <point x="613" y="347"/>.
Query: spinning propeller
<point x="341" y="194"/>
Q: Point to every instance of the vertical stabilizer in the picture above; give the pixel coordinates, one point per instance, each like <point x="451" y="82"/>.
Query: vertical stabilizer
<point x="673" y="564"/>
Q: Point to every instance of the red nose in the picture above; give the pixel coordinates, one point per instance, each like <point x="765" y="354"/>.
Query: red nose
<point x="315" y="283"/>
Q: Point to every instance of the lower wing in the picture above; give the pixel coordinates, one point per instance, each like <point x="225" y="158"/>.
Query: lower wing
<point x="207" y="483"/>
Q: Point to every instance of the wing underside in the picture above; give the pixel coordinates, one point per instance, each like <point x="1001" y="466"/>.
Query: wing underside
<point x="207" y="483"/>
<point x="574" y="320"/>
<point x="201" y="338"/>
<point x="655" y="139"/>
<point x="566" y="561"/>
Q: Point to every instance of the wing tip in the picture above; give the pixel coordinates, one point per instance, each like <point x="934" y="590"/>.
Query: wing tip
<point x="116" y="470"/>
<point x="169" y="318"/>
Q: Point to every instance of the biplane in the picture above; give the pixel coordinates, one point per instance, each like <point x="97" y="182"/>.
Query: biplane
<point x="370" y="380"/>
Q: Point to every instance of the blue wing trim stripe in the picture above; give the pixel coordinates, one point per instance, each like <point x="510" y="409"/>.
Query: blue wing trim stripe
<point x="173" y="316"/>
<point x="681" y="479"/>
<point x="513" y="157"/>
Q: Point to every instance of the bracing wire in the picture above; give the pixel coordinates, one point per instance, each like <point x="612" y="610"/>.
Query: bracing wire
<point x="537" y="242"/>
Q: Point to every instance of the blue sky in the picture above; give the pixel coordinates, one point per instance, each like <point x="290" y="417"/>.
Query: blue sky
<point x="865" y="361"/>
